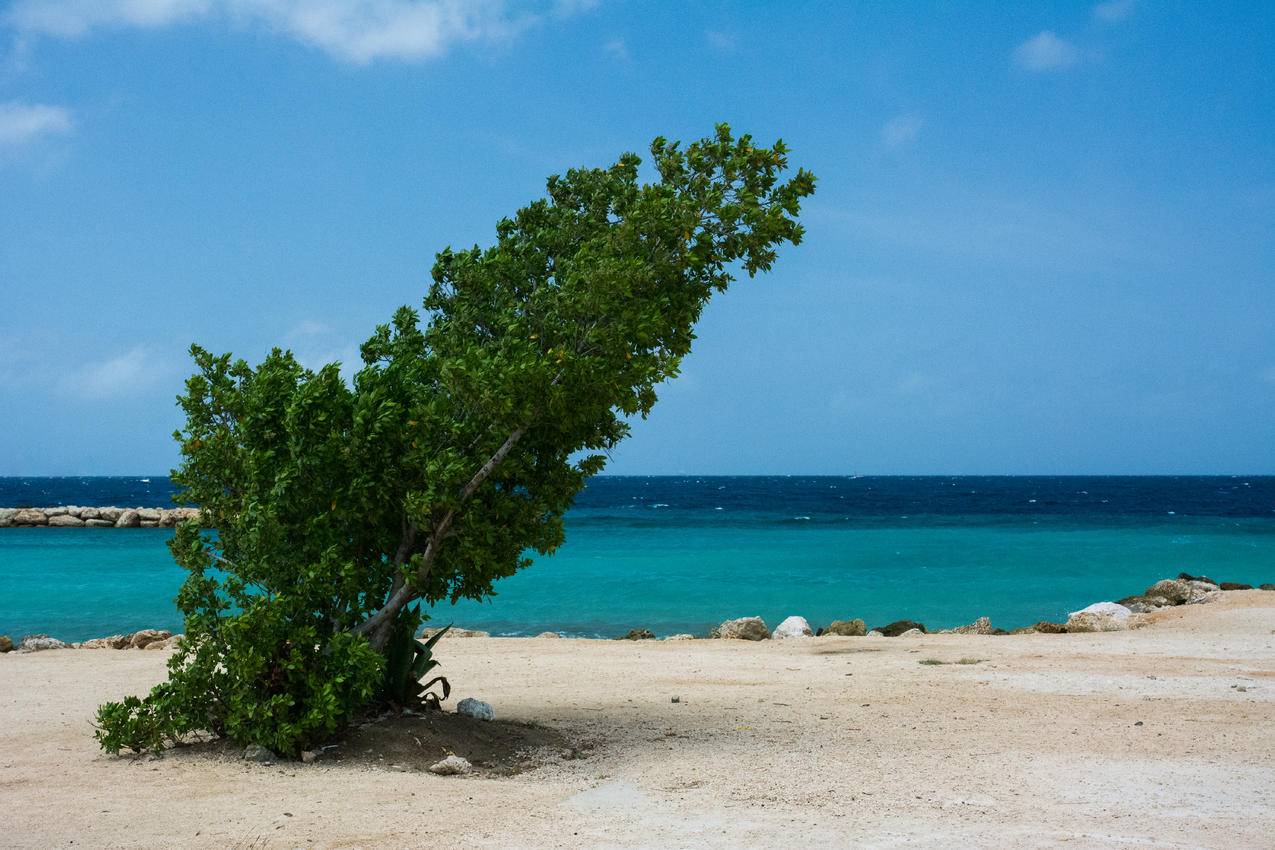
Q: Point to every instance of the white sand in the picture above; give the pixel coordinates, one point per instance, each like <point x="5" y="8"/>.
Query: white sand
<point x="827" y="742"/>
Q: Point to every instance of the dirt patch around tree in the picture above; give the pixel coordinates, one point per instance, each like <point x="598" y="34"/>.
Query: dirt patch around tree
<point x="413" y="741"/>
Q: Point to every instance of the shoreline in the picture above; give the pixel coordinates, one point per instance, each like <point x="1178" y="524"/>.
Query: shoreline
<point x="1130" y="612"/>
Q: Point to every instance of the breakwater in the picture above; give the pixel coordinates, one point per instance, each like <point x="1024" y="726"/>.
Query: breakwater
<point x="71" y="516"/>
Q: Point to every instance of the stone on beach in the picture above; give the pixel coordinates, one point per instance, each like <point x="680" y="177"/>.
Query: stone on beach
<point x="140" y="640"/>
<point x="259" y="754"/>
<point x="548" y="635"/>
<point x="981" y="626"/>
<point x="29" y="516"/>
<point x="744" y="628"/>
<point x="793" y="627"/>
<point x="682" y="636"/>
<point x="128" y="519"/>
<point x="6" y="516"/>
<point x="1100" y="617"/>
<point x="450" y="766"/>
<point x="898" y="627"/>
<point x="65" y="521"/>
<point x="476" y="709"/>
<point x="38" y="643"/>
<point x="638" y="634"/>
<point x="6" y="643"/>
<point x="109" y="514"/>
<point x="846" y="628"/>
<point x="1234" y="585"/>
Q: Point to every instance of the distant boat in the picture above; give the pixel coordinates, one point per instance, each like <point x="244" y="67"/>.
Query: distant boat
<point x="146" y="481"/>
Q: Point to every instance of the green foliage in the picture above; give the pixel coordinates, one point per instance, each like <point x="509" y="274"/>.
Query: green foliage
<point x="455" y="451"/>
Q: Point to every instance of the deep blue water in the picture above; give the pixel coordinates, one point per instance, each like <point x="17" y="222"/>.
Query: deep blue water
<point x="682" y="553"/>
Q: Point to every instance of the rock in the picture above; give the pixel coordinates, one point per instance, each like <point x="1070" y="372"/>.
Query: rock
<point x="149" y="523"/>
<point x="109" y="514"/>
<point x="99" y="523"/>
<point x="981" y="626"/>
<point x="140" y="640"/>
<point x="259" y="754"/>
<point x="912" y="633"/>
<point x="638" y="634"/>
<point x="309" y="756"/>
<point x="6" y="516"/>
<point x="744" y="628"/>
<point x="1143" y="604"/>
<point x="89" y="513"/>
<point x="1045" y="627"/>
<point x="1189" y="577"/>
<point x="548" y="635"/>
<point x="476" y="709"/>
<point x="128" y="519"/>
<point x="1234" y="585"/>
<point x="682" y="636"/>
<point x="1025" y="630"/>
<point x="456" y="632"/>
<point x="846" y="628"/>
<point x="1174" y="591"/>
<point x="874" y="633"/>
<point x="450" y="766"/>
<point x="1266" y="587"/>
<point x="1100" y="617"/>
<point x="112" y="642"/>
<point x="148" y="514"/>
<point x="65" y="521"/>
<point x="6" y="643"/>
<point x="57" y="511"/>
<point x="29" y="516"/>
<point x="898" y="627"/>
<point x="793" y="627"/>
<point x="37" y="643"/>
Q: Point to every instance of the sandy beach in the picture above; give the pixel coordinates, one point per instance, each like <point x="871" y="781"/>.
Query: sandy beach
<point x="1159" y="737"/>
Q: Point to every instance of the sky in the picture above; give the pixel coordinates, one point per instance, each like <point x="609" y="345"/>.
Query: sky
<point x="1042" y="241"/>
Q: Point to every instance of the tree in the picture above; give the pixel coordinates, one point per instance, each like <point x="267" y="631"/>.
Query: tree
<point x="456" y="451"/>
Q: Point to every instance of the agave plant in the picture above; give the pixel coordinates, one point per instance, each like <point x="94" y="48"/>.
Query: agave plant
<point x="408" y="661"/>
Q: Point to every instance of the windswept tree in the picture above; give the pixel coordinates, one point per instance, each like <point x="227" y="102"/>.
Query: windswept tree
<point x="464" y="438"/>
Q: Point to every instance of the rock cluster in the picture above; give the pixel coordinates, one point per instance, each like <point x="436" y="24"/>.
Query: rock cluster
<point x="144" y="639"/>
<point x="71" y="516"/>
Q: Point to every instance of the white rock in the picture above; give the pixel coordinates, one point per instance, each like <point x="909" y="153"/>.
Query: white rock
<point x="912" y="633"/>
<point x="744" y="628"/>
<point x="679" y="637"/>
<point x="793" y="627"/>
<point x="1105" y="609"/>
<point x="450" y="766"/>
<point x="1100" y="617"/>
<point x="874" y="633"/>
<point x="476" y="709"/>
<point x="36" y="643"/>
<point x="548" y="635"/>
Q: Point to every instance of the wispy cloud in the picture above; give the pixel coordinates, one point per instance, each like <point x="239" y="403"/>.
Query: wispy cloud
<point x="357" y="31"/>
<point x="21" y="123"/>
<point x="1046" y="52"/>
<point x="901" y="130"/>
<point x="1113" y="11"/>
<point x="616" y="48"/>
<point x="132" y="373"/>
<point x="722" y="42"/>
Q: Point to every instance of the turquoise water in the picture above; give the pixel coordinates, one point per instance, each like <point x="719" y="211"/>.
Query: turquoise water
<point x="685" y="570"/>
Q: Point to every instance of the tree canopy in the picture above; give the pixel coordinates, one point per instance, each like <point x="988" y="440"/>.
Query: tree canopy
<point x="456" y="450"/>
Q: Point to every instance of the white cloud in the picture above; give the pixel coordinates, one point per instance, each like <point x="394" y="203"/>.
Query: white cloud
<point x="722" y="42"/>
<point x="1113" y="11"/>
<point x="22" y="122"/>
<point x="358" y="31"/>
<point x="901" y="130"/>
<point x="129" y="374"/>
<point x="617" y="49"/>
<point x="1046" y="52"/>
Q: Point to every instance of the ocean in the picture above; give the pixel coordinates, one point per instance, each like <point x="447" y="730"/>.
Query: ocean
<point x="680" y="554"/>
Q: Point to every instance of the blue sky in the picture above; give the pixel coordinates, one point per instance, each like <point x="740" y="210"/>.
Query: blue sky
<point x="1042" y="241"/>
